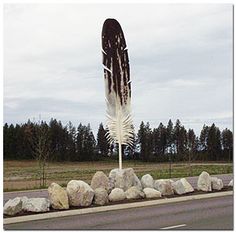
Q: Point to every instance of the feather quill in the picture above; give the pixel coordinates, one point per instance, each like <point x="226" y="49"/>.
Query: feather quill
<point x="117" y="85"/>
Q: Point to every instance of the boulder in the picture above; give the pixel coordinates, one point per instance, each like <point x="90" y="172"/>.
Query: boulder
<point x="216" y="183"/>
<point x="100" y="196"/>
<point x="147" y="181"/>
<point x="13" y="206"/>
<point x="124" y="178"/>
<point x="182" y="186"/>
<point x="164" y="186"/>
<point x="137" y="182"/>
<point x="36" y="205"/>
<point x="58" y="197"/>
<point x="79" y="193"/>
<point x="100" y="180"/>
<point x="151" y="193"/>
<point x="204" y="182"/>
<point x="24" y="199"/>
<point x="134" y="193"/>
<point x="111" y="184"/>
<point x="117" y="194"/>
<point x="231" y="183"/>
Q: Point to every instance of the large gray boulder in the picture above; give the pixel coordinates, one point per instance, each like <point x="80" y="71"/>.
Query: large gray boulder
<point x="216" y="183"/>
<point x="100" y="196"/>
<point x="111" y="184"/>
<point x="164" y="186"/>
<point x="134" y="193"/>
<point x="58" y="197"/>
<point x="124" y="178"/>
<point x="13" y="206"/>
<point x="204" y="182"/>
<point x="24" y="199"/>
<point x="151" y="193"/>
<point x="79" y="193"/>
<point x="182" y="186"/>
<point x="147" y="181"/>
<point x="36" y="205"/>
<point x="231" y="183"/>
<point x="117" y="194"/>
<point x="100" y="180"/>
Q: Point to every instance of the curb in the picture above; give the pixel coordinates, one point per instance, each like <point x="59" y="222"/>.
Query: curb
<point x="112" y="207"/>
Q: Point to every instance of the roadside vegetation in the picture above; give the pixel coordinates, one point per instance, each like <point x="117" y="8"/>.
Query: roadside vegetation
<point x="38" y="153"/>
<point x="23" y="175"/>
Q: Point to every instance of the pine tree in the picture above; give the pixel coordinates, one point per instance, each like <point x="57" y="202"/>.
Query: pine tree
<point x="102" y="142"/>
<point x="80" y="143"/>
<point x="159" y="136"/>
<point x="214" y="143"/>
<point x="227" y="143"/>
<point x="170" y="136"/>
<point x="71" y="142"/>
<point x="203" y="138"/>
<point x="145" y="141"/>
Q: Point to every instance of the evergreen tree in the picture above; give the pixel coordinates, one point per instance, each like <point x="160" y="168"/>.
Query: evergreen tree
<point x="160" y="139"/>
<point x="191" y="140"/>
<point x="191" y="145"/>
<point x="86" y="143"/>
<point x="145" y="141"/>
<point x="170" y="136"/>
<point x="71" y="142"/>
<point x="58" y="138"/>
<point x="80" y="142"/>
<point x="102" y="142"/>
<point x="227" y="143"/>
<point x="89" y="144"/>
<point x="204" y="138"/>
<point x="6" y="142"/>
<point x="214" y="143"/>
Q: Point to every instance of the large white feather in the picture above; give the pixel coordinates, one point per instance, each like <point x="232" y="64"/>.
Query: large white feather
<point x="117" y="84"/>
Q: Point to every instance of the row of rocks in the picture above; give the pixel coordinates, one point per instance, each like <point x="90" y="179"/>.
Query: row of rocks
<point x="207" y="183"/>
<point x="120" y="185"/>
<point x="19" y="204"/>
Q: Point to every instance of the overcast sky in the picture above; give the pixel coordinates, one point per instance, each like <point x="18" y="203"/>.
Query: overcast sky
<point x="180" y="61"/>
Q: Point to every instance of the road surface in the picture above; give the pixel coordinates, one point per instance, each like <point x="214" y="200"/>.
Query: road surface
<point x="211" y="213"/>
<point x="43" y="193"/>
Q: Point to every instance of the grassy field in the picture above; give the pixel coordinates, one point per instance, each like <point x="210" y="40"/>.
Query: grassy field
<point x="23" y="175"/>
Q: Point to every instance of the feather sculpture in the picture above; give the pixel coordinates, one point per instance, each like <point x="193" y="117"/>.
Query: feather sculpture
<point x="117" y="85"/>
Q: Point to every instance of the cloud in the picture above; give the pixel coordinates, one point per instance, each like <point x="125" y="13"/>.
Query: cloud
<point x="180" y="59"/>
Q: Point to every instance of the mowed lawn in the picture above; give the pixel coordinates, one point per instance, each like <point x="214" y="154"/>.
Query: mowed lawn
<point x="23" y="175"/>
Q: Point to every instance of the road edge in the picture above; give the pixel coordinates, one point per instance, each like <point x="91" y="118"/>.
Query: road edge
<point x="112" y="207"/>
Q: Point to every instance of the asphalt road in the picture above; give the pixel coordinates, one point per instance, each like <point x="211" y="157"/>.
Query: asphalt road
<point x="211" y="213"/>
<point x="43" y="193"/>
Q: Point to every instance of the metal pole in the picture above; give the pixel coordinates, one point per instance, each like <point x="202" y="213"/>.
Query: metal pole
<point x="120" y="157"/>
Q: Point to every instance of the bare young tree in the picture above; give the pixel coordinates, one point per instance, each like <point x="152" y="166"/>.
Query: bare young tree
<point x="40" y="145"/>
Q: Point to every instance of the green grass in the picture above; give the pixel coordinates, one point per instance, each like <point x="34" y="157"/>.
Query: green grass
<point x="24" y="175"/>
<point x="185" y="171"/>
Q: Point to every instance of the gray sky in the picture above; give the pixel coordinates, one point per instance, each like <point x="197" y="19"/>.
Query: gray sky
<point x="180" y="60"/>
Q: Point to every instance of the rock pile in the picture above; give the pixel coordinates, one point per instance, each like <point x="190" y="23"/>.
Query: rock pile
<point x="182" y="186"/>
<point x="164" y="186"/>
<point x="147" y="181"/>
<point x="117" y="194"/>
<point x="207" y="183"/>
<point x="120" y="185"/>
<point x="79" y="193"/>
<point x="13" y="206"/>
<point x="58" y="197"/>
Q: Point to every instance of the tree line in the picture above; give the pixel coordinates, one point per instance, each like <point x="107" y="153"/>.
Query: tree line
<point x="56" y="142"/>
